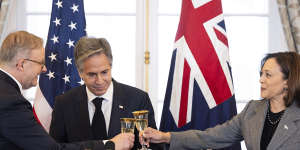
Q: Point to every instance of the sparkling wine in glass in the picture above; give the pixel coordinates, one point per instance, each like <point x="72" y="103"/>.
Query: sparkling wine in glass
<point x="127" y="125"/>
<point x="141" y="122"/>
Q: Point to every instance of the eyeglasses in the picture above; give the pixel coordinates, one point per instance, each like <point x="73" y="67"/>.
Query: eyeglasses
<point x="40" y="63"/>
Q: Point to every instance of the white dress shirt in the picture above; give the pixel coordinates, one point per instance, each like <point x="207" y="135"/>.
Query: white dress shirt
<point x="106" y="104"/>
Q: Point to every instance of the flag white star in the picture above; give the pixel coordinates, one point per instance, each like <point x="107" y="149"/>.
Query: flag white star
<point x="74" y="8"/>
<point x="52" y="57"/>
<point x="55" y="39"/>
<point x="59" y="4"/>
<point x="66" y="78"/>
<point x="56" y="21"/>
<point x="68" y="61"/>
<point x="72" y="25"/>
<point x="50" y="75"/>
<point x="70" y="43"/>
<point x="81" y="82"/>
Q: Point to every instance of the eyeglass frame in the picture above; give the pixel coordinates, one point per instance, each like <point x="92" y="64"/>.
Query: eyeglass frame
<point x="40" y="63"/>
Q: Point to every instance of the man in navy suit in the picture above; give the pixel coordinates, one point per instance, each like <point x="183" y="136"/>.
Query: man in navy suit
<point x="74" y="112"/>
<point x="21" y="61"/>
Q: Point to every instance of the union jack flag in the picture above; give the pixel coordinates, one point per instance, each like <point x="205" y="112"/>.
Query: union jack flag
<point x="67" y="25"/>
<point x="200" y="91"/>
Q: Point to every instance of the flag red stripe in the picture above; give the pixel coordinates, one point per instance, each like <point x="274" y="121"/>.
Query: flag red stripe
<point x="184" y="94"/>
<point x="201" y="46"/>
<point x="36" y="117"/>
<point x="221" y="37"/>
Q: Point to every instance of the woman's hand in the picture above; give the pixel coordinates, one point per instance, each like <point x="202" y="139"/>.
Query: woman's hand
<point x="151" y="135"/>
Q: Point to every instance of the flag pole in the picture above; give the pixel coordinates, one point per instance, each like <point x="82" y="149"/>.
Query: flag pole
<point x="147" y="53"/>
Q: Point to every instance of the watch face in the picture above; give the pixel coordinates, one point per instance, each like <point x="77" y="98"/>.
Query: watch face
<point x="109" y="145"/>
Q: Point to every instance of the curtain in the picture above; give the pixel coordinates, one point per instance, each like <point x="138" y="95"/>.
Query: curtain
<point x="4" y="7"/>
<point x="3" y="13"/>
<point x="290" y="18"/>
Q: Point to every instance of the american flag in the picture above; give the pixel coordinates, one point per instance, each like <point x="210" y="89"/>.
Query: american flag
<point x="200" y="89"/>
<point x="67" y="25"/>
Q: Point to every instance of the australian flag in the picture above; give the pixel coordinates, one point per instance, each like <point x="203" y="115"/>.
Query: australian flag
<point x="200" y="91"/>
<point x="67" y="26"/>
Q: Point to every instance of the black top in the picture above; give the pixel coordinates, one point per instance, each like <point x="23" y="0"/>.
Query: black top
<point x="271" y="122"/>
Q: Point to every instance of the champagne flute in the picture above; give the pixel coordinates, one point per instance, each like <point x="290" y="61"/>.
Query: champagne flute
<point x="127" y="125"/>
<point x="141" y="122"/>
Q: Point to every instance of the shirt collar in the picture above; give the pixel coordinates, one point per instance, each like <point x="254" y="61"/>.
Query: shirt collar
<point x="11" y="76"/>
<point x="108" y="95"/>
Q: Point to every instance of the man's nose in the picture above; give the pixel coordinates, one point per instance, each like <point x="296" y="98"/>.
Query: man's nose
<point x="99" y="79"/>
<point x="44" y="69"/>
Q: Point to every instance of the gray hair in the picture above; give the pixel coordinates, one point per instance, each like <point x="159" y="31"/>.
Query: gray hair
<point x="87" y="47"/>
<point x="20" y="42"/>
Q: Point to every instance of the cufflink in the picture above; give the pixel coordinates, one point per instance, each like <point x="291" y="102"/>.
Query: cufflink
<point x="121" y="107"/>
<point x="286" y="127"/>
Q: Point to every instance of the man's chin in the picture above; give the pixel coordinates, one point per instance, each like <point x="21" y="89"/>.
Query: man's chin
<point x="28" y="87"/>
<point x="99" y="93"/>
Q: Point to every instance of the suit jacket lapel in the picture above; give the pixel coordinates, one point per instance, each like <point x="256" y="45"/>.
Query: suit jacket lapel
<point x="286" y="127"/>
<point x="81" y="110"/>
<point x="118" y="106"/>
<point x="9" y="80"/>
<point x="256" y="124"/>
<point x="6" y="78"/>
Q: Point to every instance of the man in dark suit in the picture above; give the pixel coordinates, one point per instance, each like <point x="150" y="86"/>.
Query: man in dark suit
<point x="21" y="61"/>
<point x="74" y="114"/>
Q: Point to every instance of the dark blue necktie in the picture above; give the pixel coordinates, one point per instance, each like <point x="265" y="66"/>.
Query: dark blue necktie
<point x="98" y="123"/>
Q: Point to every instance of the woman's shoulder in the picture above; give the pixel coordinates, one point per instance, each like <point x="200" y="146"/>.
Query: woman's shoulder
<point x="257" y="102"/>
<point x="255" y="105"/>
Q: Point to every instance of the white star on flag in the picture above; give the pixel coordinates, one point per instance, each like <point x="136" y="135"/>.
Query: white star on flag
<point x="67" y="26"/>
<point x="50" y="74"/>
<point x="70" y="43"/>
<point x="57" y="21"/>
<point x="66" y="78"/>
<point x="81" y="82"/>
<point x="68" y="61"/>
<point x="74" y="8"/>
<point x="52" y="57"/>
<point x="72" y="25"/>
<point x="59" y="4"/>
<point x="55" y="39"/>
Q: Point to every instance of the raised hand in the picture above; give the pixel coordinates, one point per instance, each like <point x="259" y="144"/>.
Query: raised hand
<point x="154" y="136"/>
<point x="123" y="141"/>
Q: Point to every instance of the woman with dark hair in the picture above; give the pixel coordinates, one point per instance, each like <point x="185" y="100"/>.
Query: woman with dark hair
<point x="271" y="123"/>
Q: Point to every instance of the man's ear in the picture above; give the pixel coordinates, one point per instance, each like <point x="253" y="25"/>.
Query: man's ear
<point x="80" y="74"/>
<point x="20" y="64"/>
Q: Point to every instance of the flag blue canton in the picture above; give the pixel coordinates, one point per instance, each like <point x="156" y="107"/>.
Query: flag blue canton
<point x="67" y="26"/>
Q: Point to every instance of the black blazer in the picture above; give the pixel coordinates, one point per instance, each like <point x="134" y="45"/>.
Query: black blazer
<point x="18" y="128"/>
<point x="70" y="117"/>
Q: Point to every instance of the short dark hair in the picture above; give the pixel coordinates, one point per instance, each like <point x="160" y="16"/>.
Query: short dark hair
<point x="289" y="63"/>
<point x="87" y="47"/>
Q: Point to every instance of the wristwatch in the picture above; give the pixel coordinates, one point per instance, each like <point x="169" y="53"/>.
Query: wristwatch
<point x="109" y="145"/>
